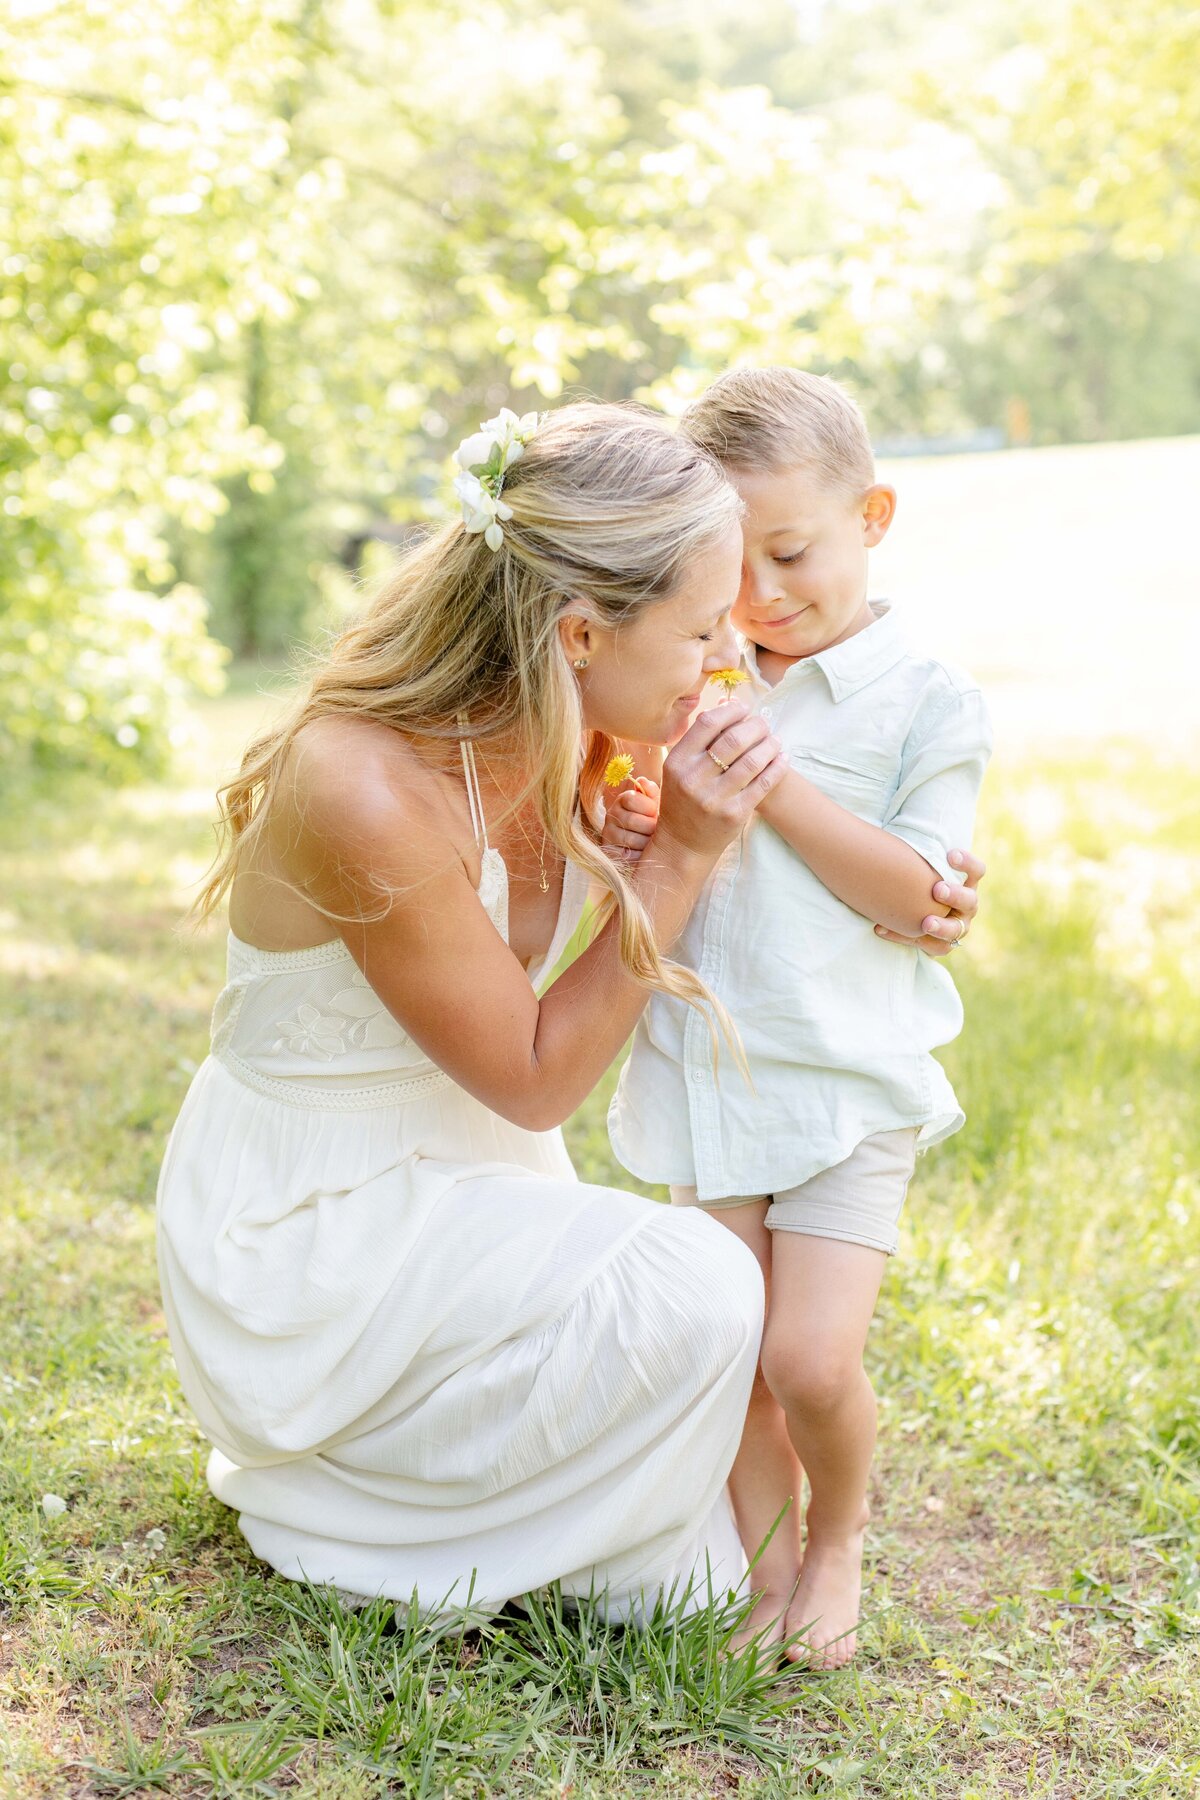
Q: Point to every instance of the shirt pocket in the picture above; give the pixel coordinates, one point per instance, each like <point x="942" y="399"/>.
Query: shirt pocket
<point x="862" y="780"/>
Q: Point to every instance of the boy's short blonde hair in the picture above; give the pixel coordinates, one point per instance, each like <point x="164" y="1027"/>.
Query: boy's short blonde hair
<point x="774" y="419"/>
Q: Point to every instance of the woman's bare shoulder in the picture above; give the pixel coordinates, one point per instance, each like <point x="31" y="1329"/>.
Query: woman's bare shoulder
<point x="363" y="765"/>
<point x="366" y="791"/>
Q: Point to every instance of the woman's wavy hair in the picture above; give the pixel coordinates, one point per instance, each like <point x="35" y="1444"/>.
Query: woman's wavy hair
<point x="610" y="507"/>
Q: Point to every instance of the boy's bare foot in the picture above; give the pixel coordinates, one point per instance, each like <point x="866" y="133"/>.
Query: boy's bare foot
<point x="765" y="1625"/>
<point x="825" y="1608"/>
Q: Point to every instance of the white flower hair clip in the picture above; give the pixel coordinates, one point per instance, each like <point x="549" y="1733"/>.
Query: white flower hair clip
<point x="483" y="460"/>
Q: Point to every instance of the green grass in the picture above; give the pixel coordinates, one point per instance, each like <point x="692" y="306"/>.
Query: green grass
<point x="1033" y="1596"/>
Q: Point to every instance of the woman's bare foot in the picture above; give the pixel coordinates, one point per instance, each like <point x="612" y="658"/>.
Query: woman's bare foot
<point x="825" y="1608"/>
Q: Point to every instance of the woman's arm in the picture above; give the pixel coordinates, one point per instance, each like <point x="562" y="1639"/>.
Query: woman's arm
<point x="352" y="833"/>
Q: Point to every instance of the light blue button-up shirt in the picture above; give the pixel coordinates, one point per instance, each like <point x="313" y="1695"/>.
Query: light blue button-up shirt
<point x="838" y="1025"/>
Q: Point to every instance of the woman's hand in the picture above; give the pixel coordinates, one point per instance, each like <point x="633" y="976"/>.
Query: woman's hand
<point x="630" y="819"/>
<point x="725" y="764"/>
<point x="942" y="934"/>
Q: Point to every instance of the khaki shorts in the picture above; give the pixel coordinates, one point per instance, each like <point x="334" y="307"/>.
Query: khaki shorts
<point x="858" y="1201"/>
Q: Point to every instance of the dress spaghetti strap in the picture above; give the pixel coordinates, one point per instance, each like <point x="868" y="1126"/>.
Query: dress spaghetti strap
<point x="474" y="798"/>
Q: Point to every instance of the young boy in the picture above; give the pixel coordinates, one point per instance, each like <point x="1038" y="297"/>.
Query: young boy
<point x="810" y="1167"/>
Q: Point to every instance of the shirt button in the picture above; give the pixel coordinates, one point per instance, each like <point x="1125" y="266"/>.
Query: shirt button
<point x="696" y="1074"/>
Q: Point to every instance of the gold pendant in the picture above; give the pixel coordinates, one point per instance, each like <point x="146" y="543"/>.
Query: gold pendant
<point x="544" y="884"/>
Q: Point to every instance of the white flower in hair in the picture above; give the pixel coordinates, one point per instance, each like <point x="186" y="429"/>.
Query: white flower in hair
<point x="510" y="432"/>
<point x="481" y="511"/>
<point x="474" y="451"/>
<point x="483" y="459"/>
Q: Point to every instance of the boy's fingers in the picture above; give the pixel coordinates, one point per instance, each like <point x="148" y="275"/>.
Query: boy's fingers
<point x="639" y="805"/>
<point x="626" y="840"/>
<point x="639" y="821"/>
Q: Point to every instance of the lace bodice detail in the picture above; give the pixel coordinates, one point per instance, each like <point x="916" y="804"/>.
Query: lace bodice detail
<point x="307" y="1028"/>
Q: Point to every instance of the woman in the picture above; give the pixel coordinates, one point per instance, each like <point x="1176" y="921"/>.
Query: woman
<point x="429" y="1359"/>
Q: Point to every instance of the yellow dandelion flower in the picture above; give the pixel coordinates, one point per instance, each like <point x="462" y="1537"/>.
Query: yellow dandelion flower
<point x="619" y="769"/>
<point x="728" y="679"/>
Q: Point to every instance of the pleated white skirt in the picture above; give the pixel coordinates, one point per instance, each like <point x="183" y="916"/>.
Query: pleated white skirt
<point x="432" y="1362"/>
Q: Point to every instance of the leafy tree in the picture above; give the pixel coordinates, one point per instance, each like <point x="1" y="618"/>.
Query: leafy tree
<point x="264" y="260"/>
<point x="1087" y="264"/>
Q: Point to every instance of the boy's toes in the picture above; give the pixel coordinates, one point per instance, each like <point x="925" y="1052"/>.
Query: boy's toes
<point x="822" y="1620"/>
<point x="816" y="1652"/>
<point x="765" y="1627"/>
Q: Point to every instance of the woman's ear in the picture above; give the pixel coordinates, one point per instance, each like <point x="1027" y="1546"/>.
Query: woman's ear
<point x="576" y="636"/>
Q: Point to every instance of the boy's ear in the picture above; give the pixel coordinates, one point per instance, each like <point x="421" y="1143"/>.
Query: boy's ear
<point x="878" y="511"/>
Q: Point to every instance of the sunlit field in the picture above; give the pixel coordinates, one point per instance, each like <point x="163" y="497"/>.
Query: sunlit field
<point x="1033" y="1601"/>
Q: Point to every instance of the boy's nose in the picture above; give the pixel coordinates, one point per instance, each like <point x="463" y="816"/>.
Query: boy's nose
<point x="759" y="589"/>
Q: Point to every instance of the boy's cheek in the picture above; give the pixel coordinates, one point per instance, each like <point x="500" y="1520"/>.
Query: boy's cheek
<point x="739" y="615"/>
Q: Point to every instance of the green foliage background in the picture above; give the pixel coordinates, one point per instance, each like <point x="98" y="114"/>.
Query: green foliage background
<point x="264" y="260"/>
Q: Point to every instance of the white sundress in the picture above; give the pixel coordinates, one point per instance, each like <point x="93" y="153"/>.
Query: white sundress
<point x="430" y="1360"/>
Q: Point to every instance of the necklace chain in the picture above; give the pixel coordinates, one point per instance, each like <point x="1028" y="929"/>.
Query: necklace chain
<point x="543" y="878"/>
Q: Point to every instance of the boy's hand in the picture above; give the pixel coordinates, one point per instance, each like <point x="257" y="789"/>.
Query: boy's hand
<point x="630" y="819"/>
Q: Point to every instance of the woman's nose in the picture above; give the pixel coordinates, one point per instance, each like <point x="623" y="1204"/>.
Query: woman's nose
<point x="727" y="647"/>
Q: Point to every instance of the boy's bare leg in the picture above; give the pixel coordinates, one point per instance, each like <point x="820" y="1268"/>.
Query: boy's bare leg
<point x="766" y="1477"/>
<point x="822" y="1299"/>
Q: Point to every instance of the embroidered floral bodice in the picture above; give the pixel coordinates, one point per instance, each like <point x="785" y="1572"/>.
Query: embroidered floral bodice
<point x="307" y="1028"/>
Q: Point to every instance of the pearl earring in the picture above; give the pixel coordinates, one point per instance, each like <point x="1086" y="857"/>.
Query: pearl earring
<point x="581" y="662"/>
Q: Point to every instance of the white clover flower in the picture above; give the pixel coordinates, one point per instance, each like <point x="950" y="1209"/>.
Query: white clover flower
<point x="53" y="1505"/>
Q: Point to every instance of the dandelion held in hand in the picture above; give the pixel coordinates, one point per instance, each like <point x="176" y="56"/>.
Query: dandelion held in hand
<point x="728" y="679"/>
<point x="618" y="769"/>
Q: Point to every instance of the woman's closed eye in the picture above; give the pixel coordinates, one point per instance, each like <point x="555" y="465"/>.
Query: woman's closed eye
<point x="795" y="557"/>
<point x="706" y="637"/>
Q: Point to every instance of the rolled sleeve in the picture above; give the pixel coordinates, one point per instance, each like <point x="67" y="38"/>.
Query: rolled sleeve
<point x="933" y="808"/>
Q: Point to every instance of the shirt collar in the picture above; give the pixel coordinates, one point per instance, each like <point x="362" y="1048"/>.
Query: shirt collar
<point x="854" y="664"/>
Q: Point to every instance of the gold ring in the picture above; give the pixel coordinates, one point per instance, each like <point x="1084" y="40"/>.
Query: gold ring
<point x="724" y="767"/>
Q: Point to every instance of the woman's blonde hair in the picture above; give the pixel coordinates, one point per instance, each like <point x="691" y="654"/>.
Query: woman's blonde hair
<point x="610" y="509"/>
